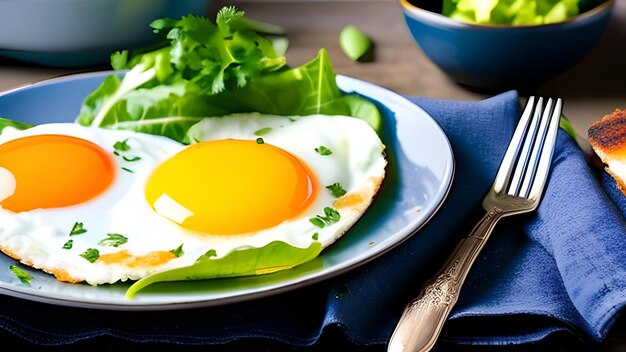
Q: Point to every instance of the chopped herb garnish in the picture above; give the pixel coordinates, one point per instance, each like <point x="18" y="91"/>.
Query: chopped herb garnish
<point x="131" y="159"/>
<point x="21" y="274"/>
<point x="336" y="189"/>
<point x="116" y="153"/>
<point x="330" y="217"/>
<point x="260" y="140"/>
<point x="128" y="170"/>
<point x="91" y="254"/>
<point x="317" y="222"/>
<point x="122" y="145"/>
<point x="114" y="240"/>
<point x="178" y="251"/>
<point x="77" y="229"/>
<point x="263" y="131"/>
<point x="321" y="150"/>
<point x="68" y="244"/>
<point x="316" y="236"/>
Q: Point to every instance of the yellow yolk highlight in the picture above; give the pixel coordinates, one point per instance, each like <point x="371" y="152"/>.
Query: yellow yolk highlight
<point x="231" y="187"/>
<point x="51" y="171"/>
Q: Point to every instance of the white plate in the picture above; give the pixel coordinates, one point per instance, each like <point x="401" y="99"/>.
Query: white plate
<point x="419" y="175"/>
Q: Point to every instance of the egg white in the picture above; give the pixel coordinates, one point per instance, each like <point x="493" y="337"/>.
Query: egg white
<point x="36" y="237"/>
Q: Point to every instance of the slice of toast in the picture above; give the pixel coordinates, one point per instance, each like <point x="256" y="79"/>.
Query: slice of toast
<point x="607" y="137"/>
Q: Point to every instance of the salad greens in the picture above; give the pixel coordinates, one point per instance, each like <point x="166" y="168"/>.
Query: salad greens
<point x="214" y="69"/>
<point x="273" y="257"/>
<point x="4" y="123"/>
<point x="515" y="12"/>
<point x="206" y="70"/>
<point x="354" y="43"/>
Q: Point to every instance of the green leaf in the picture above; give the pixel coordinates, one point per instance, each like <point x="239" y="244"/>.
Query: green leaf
<point x="263" y="131"/>
<point x="566" y="125"/>
<point x="330" y="217"/>
<point x="91" y="254"/>
<point x="273" y="257"/>
<point x="77" y="229"/>
<point x="336" y="190"/>
<point x="69" y="244"/>
<point x="354" y="43"/>
<point x="21" y="274"/>
<point x="4" y="123"/>
<point x="322" y="150"/>
<point x="121" y="146"/>
<point x="177" y="252"/>
<point x="113" y="240"/>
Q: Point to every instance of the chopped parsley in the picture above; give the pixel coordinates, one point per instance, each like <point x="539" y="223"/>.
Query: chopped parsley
<point x="315" y="236"/>
<point x="336" y="189"/>
<point x="131" y="159"/>
<point x="91" y="254"/>
<point x="178" y="251"/>
<point x="321" y="150"/>
<point x="122" y="146"/>
<point x="330" y="217"/>
<point x="77" y="229"/>
<point x="114" y="240"/>
<point x="260" y="140"/>
<point x="128" y="170"/>
<point x="68" y="244"/>
<point x="263" y="131"/>
<point x="21" y="274"/>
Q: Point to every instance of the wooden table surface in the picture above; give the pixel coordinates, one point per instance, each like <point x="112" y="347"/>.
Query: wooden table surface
<point x="594" y="87"/>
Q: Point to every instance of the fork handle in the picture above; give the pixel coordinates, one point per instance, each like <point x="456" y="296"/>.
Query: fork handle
<point x="424" y="316"/>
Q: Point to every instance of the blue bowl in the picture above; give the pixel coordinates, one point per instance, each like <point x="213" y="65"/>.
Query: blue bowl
<point x="494" y="58"/>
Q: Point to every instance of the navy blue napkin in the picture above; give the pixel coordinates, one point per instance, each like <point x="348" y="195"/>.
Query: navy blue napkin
<point x="559" y="269"/>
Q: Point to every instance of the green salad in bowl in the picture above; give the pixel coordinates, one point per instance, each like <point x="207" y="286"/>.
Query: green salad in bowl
<point x="515" y="12"/>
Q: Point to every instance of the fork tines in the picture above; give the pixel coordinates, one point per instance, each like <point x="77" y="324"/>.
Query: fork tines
<point x="537" y="127"/>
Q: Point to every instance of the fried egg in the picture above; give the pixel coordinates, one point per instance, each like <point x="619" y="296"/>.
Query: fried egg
<point x="101" y="206"/>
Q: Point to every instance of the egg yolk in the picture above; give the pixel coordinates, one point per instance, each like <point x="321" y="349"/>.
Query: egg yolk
<point x="231" y="187"/>
<point x="50" y="171"/>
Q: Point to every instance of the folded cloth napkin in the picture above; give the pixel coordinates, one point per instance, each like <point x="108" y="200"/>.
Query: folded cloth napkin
<point x="560" y="269"/>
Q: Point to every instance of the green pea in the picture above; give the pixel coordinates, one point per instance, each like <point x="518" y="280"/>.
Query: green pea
<point x="354" y="43"/>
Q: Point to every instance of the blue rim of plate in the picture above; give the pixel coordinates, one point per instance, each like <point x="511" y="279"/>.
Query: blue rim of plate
<point x="419" y="177"/>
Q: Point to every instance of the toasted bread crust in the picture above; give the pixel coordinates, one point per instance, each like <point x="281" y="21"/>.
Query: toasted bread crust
<point x="609" y="133"/>
<point x="607" y="137"/>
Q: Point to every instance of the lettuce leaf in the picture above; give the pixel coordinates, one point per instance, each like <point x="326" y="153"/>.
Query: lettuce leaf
<point x="512" y="12"/>
<point x="4" y="123"/>
<point x="273" y="257"/>
<point x="171" y="109"/>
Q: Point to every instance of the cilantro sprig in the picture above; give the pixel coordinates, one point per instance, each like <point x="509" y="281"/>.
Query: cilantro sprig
<point x="78" y="229"/>
<point x="113" y="240"/>
<point x="178" y="251"/>
<point x="323" y="151"/>
<point x="91" y="254"/>
<point x="336" y="190"/>
<point x="330" y="217"/>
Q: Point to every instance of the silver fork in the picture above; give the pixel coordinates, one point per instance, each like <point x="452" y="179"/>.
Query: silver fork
<point x="517" y="189"/>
